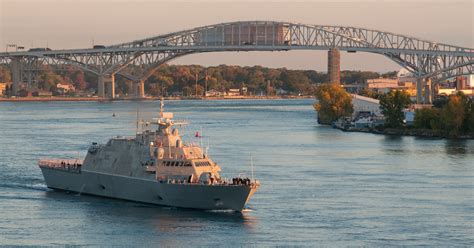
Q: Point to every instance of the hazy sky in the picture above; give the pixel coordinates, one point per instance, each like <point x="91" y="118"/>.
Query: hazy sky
<point x="74" y="24"/>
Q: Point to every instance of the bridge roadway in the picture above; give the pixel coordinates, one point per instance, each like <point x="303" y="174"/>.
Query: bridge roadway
<point x="428" y="61"/>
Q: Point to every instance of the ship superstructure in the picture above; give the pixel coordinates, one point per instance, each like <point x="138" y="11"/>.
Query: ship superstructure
<point x="156" y="166"/>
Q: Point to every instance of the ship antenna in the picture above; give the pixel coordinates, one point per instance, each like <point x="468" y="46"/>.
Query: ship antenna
<point x="251" y="166"/>
<point x="137" y="122"/>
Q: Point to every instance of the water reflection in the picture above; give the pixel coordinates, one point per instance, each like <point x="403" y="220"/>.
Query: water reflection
<point x="457" y="147"/>
<point x="393" y="144"/>
<point x="159" y="218"/>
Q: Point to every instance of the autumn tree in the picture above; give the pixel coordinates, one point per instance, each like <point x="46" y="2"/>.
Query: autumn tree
<point x="333" y="103"/>
<point x="453" y="114"/>
<point x="47" y="79"/>
<point x="5" y="75"/>
<point x="79" y="80"/>
<point x="153" y="89"/>
<point x="454" y="117"/>
<point x="392" y="105"/>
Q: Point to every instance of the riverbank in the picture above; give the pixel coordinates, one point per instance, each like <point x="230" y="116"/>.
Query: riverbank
<point x="426" y="133"/>
<point x="101" y="99"/>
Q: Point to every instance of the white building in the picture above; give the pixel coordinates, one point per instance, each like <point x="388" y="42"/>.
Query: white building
<point x="365" y="105"/>
<point x="233" y="92"/>
<point x="65" y="87"/>
<point x="470" y="80"/>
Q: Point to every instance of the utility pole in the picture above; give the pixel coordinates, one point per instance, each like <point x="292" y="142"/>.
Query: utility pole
<point x="196" y="87"/>
<point x="205" y="87"/>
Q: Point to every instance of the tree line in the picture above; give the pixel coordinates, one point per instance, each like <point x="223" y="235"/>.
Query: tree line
<point x="167" y="79"/>
<point x="451" y="116"/>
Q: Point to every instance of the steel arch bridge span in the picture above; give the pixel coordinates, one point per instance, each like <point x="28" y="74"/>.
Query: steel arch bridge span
<point x="423" y="58"/>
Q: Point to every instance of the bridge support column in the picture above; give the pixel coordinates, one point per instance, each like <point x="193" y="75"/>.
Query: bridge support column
<point x="101" y="86"/>
<point x="15" y="67"/>
<point x="141" y="89"/>
<point x="106" y="82"/>
<point x="334" y="66"/>
<point x="428" y="92"/>
<point x="419" y="90"/>
<point x="111" y="86"/>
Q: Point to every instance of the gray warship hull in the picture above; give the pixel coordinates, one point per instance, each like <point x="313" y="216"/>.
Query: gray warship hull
<point x="196" y="196"/>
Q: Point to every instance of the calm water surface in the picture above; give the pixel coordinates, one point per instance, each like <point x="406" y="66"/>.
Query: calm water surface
<point x="320" y="186"/>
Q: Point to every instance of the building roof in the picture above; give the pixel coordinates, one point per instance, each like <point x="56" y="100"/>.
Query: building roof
<point x="364" y="98"/>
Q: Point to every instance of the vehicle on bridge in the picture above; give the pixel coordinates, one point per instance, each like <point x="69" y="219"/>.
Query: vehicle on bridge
<point x="40" y="49"/>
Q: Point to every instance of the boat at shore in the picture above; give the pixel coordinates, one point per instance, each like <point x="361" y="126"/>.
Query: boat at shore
<point x="156" y="166"/>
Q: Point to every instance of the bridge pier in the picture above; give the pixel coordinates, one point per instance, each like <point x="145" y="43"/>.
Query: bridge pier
<point x="106" y="86"/>
<point x="424" y="91"/>
<point x="101" y="86"/>
<point x="419" y="90"/>
<point x="334" y="66"/>
<point x="138" y="88"/>
<point x="111" y="86"/>
<point x="141" y="89"/>
<point x="15" y="67"/>
<point x="428" y="92"/>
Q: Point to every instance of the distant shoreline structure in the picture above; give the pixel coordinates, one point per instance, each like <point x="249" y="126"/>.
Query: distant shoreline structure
<point x="99" y="99"/>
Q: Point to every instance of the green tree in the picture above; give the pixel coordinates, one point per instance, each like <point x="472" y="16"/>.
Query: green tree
<point x="392" y="105"/>
<point x="440" y="101"/>
<point x="453" y="115"/>
<point x="468" y="107"/>
<point x="390" y="74"/>
<point x="427" y="118"/>
<point x="469" y="118"/>
<point x="333" y="103"/>
<point x="357" y="77"/>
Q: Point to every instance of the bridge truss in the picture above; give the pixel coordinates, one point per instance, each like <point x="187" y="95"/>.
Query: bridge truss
<point x="425" y="59"/>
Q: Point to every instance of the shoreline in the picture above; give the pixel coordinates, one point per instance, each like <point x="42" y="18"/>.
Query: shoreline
<point x="424" y="133"/>
<point x="102" y="99"/>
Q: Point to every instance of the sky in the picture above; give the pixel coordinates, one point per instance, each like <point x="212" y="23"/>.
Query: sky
<point x="68" y="24"/>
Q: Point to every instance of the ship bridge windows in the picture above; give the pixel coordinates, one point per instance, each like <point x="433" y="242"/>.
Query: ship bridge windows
<point x="202" y="163"/>
<point x="171" y="163"/>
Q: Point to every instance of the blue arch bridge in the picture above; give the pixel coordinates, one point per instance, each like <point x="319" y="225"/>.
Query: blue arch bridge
<point x="430" y="62"/>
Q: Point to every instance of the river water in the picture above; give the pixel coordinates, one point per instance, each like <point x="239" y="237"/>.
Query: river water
<point x="320" y="186"/>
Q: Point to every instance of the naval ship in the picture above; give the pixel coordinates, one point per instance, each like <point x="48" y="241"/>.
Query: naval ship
<point x="156" y="166"/>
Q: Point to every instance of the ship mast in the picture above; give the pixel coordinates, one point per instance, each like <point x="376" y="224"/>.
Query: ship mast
<point x="162" y="105"/>
<point x="136" y="130"/>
